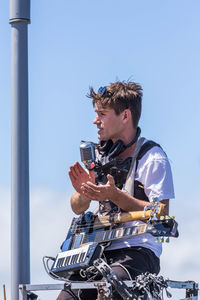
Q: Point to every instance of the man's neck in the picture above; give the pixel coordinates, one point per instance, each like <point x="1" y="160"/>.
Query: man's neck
<point x="127" y="136"/>
<point x="128" y="152"/>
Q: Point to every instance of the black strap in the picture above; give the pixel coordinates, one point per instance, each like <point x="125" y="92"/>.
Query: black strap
<point x="144" y="149"/>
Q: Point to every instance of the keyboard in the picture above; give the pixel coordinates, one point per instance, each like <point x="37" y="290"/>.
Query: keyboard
<point x="68" y="262"/>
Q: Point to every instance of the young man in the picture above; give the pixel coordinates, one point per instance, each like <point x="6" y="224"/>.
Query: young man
<point x="118" y="110"/>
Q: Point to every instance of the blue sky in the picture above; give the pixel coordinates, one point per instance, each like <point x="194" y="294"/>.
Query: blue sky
<point x="74" y="45"/>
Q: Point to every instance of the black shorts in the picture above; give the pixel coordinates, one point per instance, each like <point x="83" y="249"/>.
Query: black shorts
<point x="136" y="260"/>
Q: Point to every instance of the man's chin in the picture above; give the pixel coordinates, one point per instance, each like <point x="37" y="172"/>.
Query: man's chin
<point x="100" y="138"/>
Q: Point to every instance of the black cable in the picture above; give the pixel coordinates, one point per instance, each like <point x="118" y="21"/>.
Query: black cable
<point x="68" y="290"/>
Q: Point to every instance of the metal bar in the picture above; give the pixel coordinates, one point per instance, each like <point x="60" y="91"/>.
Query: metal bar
<point x="191" y="288"/>
<point x="91" y="285"/>
<point x="73" y="285"/>
<point x="19" y="10"/>
<point x="22" y="292"/>
<point x="181" y="284"/>
<point x="24" y="289"/>
<point x="20" y="239"/>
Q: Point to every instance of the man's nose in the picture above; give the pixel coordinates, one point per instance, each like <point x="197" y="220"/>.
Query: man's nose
<point x="96" y="120"/>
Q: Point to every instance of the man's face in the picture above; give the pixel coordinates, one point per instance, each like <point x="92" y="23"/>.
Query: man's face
<point x="108" y="123"/>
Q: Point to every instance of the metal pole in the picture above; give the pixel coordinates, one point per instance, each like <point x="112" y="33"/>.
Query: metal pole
<point x="20" y="236"/>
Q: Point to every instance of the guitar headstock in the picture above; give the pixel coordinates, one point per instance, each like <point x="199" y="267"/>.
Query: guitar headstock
<point x="156" y="209"/>
<point x="165" y="227"/>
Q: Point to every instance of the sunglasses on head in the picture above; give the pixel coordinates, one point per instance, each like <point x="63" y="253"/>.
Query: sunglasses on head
<point x="102" y="90"/>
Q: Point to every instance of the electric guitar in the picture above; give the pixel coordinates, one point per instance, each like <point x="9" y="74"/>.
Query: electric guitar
<point x="88" y="233"/>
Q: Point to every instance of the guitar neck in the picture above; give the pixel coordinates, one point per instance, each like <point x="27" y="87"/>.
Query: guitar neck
<point x="113" y="234"/>
<point x="104" y="221"/>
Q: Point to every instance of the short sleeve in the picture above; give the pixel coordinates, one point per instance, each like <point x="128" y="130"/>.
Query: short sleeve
<point x="154" y="172"/>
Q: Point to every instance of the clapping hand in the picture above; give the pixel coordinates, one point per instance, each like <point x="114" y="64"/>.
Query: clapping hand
<point x="79" y="176"/>
<point x="99" y="192"/>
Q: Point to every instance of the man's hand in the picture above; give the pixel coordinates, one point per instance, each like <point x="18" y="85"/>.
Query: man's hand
<point x="79" y="176"/>
<point x="99" y="192"/>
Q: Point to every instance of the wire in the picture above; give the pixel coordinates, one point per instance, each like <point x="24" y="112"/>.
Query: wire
<point x="51" y="273"/>
<point x="125" y="269"/>
<point x="73" y="294"/>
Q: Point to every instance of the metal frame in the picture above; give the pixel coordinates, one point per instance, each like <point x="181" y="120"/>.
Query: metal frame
<point x="26" y="290"/>
<point x="191" y="288"/>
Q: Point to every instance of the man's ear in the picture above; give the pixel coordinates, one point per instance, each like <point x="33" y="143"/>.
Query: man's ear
<point x="126" y="115"/>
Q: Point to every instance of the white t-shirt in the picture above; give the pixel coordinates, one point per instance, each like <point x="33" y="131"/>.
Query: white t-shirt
<point x="154" y="172"/>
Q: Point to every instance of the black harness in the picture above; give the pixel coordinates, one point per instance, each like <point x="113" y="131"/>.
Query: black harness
<point x="120" y="172"/>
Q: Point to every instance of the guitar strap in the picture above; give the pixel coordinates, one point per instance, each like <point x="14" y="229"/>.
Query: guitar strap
<point x="129" y="184"/>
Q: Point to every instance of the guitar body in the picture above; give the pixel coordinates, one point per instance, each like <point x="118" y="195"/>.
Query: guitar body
<point x="81" y="232"/>
<point x="84" y="240"/>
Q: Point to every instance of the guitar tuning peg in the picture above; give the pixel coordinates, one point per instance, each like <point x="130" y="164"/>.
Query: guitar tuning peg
<point x="173" y="217"/>
<point x="162" y="239"/>
<point x="167" y="217"/>
<point x="157" y="240"/>
<point x="162" y="218"/>
<point x="156" y="199"/>
<point x="167" y="240"/>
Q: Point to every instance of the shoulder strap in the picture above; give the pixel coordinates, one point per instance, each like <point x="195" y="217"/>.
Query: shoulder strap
<point x="139" y="152"/>
<point x="129" y="184"/>
<point x="144" y="149"/>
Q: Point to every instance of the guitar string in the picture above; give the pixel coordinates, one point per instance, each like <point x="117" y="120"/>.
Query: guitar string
<point x="99" y="223"/>
<point x="97" y="227"/>
<point x="105" y="223"/>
